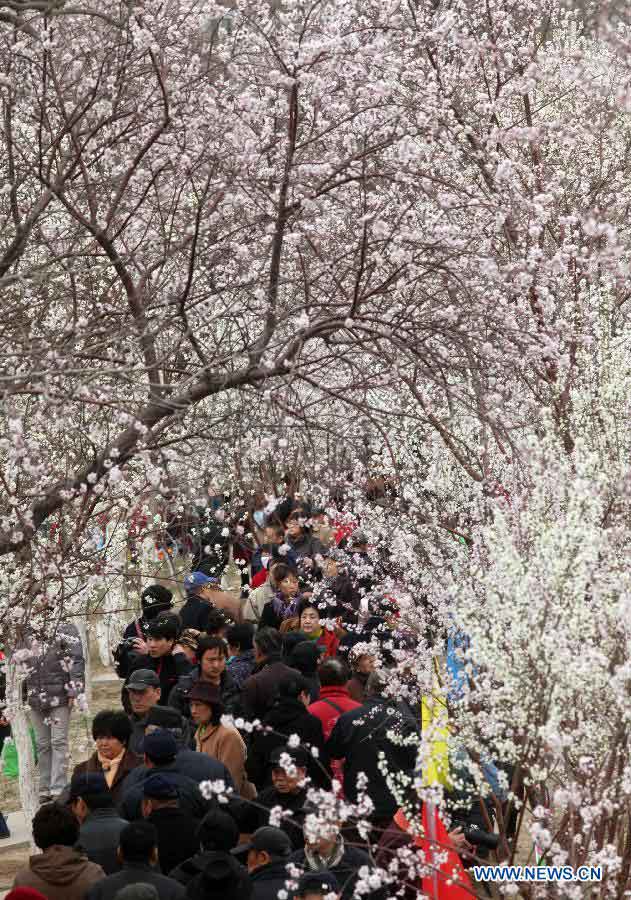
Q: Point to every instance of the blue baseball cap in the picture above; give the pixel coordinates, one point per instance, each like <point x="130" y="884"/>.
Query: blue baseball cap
<point x="199" y="579"/>
<point x="160" y="787"/>
<point x="87" y="784"/>
<point x="159" y="744"/>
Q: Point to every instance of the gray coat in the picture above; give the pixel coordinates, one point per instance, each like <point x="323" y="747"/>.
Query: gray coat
<point x="59" y="673"/>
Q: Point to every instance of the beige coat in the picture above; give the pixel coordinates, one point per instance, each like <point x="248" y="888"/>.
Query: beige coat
<point x="255" y="601"/>
<point x="226" y="744"/>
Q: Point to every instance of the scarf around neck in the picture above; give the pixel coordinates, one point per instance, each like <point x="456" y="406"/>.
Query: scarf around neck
<point x="316" y="862"/>
<point x="282" y="608"/>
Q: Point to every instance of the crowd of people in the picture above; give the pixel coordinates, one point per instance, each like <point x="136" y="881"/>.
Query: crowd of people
<point x="202" y="783"/>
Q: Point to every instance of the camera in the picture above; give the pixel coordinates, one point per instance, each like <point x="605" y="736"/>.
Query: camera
<point x="481" y="838"/>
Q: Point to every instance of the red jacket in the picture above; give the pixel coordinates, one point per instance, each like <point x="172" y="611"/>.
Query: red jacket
<point x="326" y="712"/>
<point x="330" y="641"/>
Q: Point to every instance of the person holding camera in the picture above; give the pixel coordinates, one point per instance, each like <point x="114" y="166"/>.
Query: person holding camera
<point x="156" y="601"/>
<point x="163" y="655"/>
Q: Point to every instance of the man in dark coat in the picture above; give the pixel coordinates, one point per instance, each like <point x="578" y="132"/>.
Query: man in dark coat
<point x="288" y="791"/>
<point x="160" y="754"/>
<point x="287" y="716"/>
<point x="212" y="653"/>
<point x="268" y="855"/>
<point x="138" y="854"/>
<point x="177" y="837"/>
<point x="261" y="688"/>
<point x="218" y="833"/>
<point x="200" y="589"/>
<point x="154" y="600"/>
<point x="101" y="825"/>
<point x="163" y="657"/>
<point x="360" y="738"/>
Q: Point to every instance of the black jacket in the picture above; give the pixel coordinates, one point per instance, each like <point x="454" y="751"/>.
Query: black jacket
<point x="192" y="867"/>
<point x="169" y="670"/>
<point x="294" y="804"/>
<point x="269" y="880"/>
<point x="138" y="733"/>
<point x="285" y="718"/>
<point x="177" y="836"/>
<point x="98" y="838"/>
<point x="360" y="736"/>
<point x="190" y="874"/>
<point x="198" y="766"/>
<point x="230" y="693"/>
<point x="136" y="873"/>
<point x="346" y="871"/>
<point x="191" y="800"/>
<point x="195" y="613"/>
<point x="260" y="689"/>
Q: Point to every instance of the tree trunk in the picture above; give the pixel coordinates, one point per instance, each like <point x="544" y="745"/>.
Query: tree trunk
<point x="17" y="713"/>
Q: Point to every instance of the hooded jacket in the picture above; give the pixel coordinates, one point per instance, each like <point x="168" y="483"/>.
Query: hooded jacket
<point x="286" y="717"/>
<point x="59" y="873"/>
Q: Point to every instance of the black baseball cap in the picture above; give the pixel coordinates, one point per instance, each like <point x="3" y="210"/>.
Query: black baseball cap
<point x="141" y="679"/>
<point x="323" y="882"/>
<point x="269" y="839"/>
<point x="298" y="756"/>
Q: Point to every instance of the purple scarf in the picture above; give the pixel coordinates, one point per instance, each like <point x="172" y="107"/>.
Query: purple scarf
<point x="283" y="610"/>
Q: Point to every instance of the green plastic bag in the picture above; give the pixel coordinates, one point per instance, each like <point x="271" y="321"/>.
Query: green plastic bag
<point x="9" y="760"/>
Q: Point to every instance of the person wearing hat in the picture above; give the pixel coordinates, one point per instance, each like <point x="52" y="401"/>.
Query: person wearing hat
<point x="60" y="871"/>
<point x="197" y="766"/>
<point x="318" y="886"/>
<point x="177" y="831"/>
<point x="154" y="601"/>
<point x="288" y="770"/>
<point x="218" y="834"/>
<point x="287" y="716"/>
<point x="138" y="856"/>
<point x="268" y="853"/>
<point x="92" y="803"/>
<point x="160" y="754"/>
<point x="222" y="742"/>
<point x="201" y="592"/>
<point x="187" y="644"/>
<point x="143" y="693"/>
<point x="111" y="731"/>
